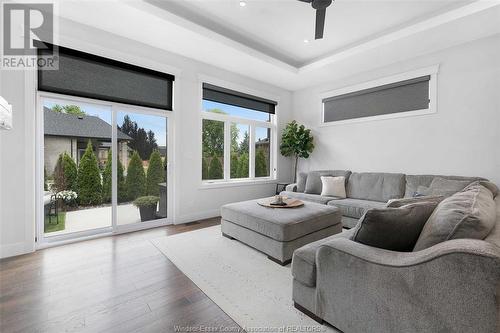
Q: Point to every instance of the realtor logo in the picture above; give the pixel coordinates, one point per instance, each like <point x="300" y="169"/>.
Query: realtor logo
<point x="27" y="28"/>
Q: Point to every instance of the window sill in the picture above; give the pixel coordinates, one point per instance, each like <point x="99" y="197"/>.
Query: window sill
<point x="233" y="183"/>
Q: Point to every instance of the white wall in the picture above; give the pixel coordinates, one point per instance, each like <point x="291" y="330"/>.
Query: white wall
<point x="17" y="184"/>
<point x="462" y="138"/>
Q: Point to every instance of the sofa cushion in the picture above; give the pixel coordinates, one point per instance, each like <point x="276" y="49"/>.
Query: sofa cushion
<point x="283" y="225"/>
<point x="354" y="208"/>
<point x="333" y="186"/>
<point x="313" y="182"/>
<point x="304" y="259"/>
<point x="443" y="186"/>
<point x="470" y="213"/>
<point x="376" y="186"/>
<point x="394" y="229"/>
<point x="301" y="181"/>
<point x="308" y="197"/>
<point x="395" y="203"/>
<point x="414" y="181"/>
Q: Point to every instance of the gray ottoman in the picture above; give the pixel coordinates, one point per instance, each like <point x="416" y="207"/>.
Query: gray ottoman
<point x="279" y="231"/>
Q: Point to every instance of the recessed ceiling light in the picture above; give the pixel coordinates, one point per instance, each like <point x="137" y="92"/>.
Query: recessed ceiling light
<point x="243" y="3"/>
<point x="306" y="41"/>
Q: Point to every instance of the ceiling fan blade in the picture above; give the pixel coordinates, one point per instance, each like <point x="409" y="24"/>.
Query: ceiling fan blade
<point x="308" y="1"/>
<point x="320" y="23"/>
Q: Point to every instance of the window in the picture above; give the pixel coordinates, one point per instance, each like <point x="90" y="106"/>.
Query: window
<point x="402" y="95"/>
<point x="237" y="131"/>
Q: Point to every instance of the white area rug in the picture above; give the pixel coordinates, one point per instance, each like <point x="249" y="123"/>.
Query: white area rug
<point x="254" y="291"/>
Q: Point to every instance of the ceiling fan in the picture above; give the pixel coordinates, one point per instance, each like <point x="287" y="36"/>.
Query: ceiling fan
<point x="320" y="6"/>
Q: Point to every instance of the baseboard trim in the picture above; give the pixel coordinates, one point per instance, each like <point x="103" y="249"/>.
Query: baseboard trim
<point x="197" y="216"/>
<point x="16" y="249"/>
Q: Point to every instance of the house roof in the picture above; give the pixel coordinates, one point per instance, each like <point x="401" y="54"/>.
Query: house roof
<point x="69" y="125"/>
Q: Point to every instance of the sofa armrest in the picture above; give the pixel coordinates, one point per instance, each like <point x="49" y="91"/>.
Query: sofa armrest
<point x="447" y="287"/>
<point x="291" y="188"/>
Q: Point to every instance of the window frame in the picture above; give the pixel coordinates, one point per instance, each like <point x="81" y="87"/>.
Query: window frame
<point x="431" y="71"/>
<point x="252" y="125"/>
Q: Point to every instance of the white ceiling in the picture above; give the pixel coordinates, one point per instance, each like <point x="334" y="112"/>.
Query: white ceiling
<point x="279" y="27"/>
<point x="264" y="39"/>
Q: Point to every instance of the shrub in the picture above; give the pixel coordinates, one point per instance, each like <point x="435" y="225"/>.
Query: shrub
<point x="234" y="165"/>
<point x="215" y="169"/>
<point x="146" y="201"/>
<point x="156" y="174"/>
<point x="59" y="179"/>
<point x="243" y="166"/>
<point x="107" y="181"/>
<point x="89" y="179"/>
<point x="70" y="173"/>
<point x="136" y="178"/>
<point x="45" y="185"/>
<point x="204" y="168"/>
<point x="261" y="168"/>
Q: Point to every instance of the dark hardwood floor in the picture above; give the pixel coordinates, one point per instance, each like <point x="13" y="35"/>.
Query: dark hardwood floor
<point x="114" y="284"/>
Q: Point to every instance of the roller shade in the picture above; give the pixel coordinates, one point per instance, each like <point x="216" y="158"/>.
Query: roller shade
<point x="231" y="97"/>
<point x="87" y="75"/>
<point x="403" y="96"/>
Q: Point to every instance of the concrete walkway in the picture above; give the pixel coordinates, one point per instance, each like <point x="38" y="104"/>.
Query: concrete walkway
<point x="95" y="218"/>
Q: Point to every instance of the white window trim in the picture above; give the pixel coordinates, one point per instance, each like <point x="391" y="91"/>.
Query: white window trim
<point x="252" y="124"/>
<point x="432" y="71"/>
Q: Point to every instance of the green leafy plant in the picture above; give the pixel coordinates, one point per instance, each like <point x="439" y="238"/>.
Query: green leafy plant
<point x="136" y="178"/>
<point x="243" y="166"/>
<point x="296" y="141"/>
<point x="146" y="201"/>
<point x="155" y="175"/>
<point x="89" y="179"/>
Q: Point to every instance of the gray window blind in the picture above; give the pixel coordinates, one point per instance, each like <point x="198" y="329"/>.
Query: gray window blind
<point x="87" y="75"/>
<point x="231" y="97"/>
<point x="403" y="96"/>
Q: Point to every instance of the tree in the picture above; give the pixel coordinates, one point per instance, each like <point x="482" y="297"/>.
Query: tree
<point x="136" y="178"/>
<point x="204" y="168"/>
<point x="70" y="173"/>
<point x="59" y="179"/>
<point x="261" y="168"/>
<point x="243" y="166"/>
<point x="234" y="165"/>
<point x="143" y="141"/>
<point x="245" y="143"/>
<point x="156" y="174"/>
<point x="296" y="141"/>
<point x="107" y="180"/>
<point x="215" y="169"/>
<point x="213" y="138"/>
<point x="69" y="109"/>
<point x="89" y="179"/>
<point x="65" y="173"/>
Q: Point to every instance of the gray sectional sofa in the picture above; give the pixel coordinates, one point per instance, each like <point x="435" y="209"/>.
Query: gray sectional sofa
<point x="451" y="286"/>
<point x="364" y="190"/>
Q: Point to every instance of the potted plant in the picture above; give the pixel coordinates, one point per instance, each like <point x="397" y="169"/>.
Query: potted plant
<point x="147" y="207"/>
<point x="296" y="141"/>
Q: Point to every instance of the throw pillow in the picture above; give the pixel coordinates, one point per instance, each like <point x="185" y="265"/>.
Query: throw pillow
<point x="395" y="229"/>
<point x="301" y="182"/>
<point x="396" y="203"/>
<point x="467" y="214"/>
<point x="333" y="186"/>
<point x="313" y="182"/>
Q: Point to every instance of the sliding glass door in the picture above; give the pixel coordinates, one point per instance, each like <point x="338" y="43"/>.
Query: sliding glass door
<point x="102" y="166"/>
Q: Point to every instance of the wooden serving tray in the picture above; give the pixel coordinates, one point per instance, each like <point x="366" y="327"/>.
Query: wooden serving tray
<point x="290" y="203"/>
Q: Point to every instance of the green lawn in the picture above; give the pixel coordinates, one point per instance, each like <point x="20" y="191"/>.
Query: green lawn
<point x="51" y="227"/>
